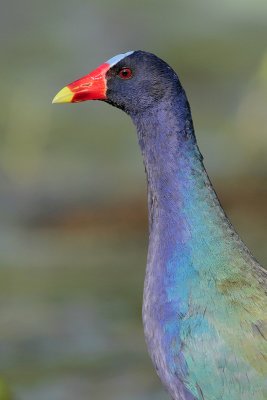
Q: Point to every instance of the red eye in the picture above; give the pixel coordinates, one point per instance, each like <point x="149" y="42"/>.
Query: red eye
<point x="125" y="73"/>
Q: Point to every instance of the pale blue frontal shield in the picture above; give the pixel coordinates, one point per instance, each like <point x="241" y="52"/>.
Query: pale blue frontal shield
<point x="114" y="60"/>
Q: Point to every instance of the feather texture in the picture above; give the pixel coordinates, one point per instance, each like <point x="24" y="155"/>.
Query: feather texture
<point x="205" y="295"/>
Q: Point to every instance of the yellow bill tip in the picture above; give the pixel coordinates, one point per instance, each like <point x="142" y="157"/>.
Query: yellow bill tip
<point x="65" y="95"/>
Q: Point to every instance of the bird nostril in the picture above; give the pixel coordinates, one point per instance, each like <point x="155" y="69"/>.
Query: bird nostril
<point x="87" y="84"/>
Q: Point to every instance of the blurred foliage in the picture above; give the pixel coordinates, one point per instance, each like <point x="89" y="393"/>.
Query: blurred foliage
<point x="72" y="217"/>
<point x="4" y="391"/>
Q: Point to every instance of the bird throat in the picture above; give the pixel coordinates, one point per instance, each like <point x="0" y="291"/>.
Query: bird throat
<point x="179" y="190"/>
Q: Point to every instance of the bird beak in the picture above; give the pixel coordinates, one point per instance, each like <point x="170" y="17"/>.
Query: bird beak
<point x="90" y="87"/>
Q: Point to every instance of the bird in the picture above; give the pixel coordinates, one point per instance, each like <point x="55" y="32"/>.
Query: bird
<point x="205" y="295"/>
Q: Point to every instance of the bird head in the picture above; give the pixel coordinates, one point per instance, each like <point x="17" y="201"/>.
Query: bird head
<point x="133" y="82"/>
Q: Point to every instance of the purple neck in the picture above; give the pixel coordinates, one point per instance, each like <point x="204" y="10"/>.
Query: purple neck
<point x="170" y="153"/>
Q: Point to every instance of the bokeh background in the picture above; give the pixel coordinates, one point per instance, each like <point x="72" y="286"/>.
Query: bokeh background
<point x="73" y="233"/>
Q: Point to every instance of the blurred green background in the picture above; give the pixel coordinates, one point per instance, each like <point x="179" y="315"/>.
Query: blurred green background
<point x="73" y="233"/>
